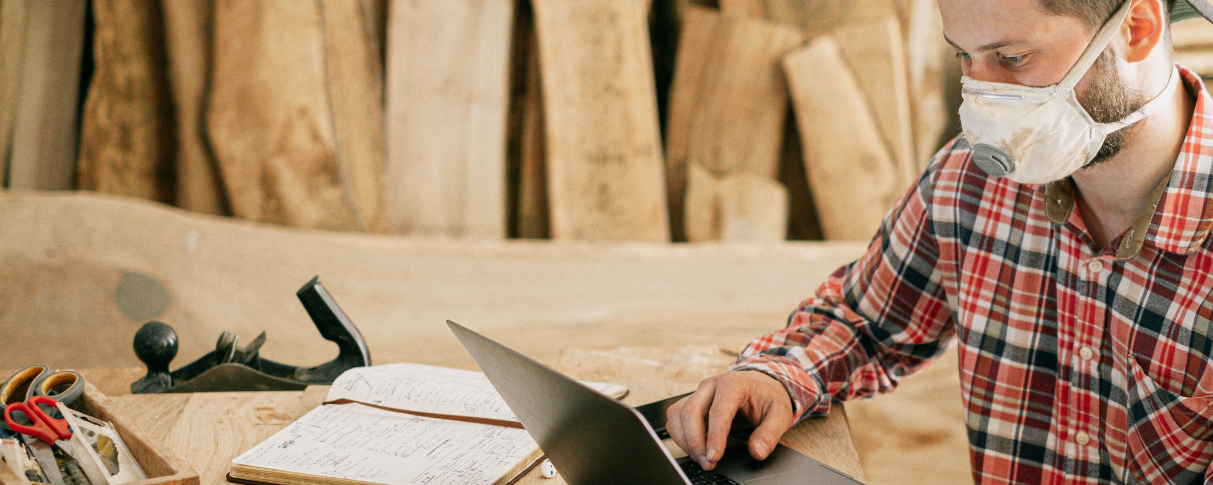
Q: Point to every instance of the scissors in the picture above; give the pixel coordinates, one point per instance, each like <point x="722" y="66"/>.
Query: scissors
<point x="52" y="431"/>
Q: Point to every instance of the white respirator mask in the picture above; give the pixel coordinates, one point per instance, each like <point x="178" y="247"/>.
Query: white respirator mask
<point x="1039" y="135"/>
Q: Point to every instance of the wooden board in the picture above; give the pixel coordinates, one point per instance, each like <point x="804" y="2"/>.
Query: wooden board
<point x="93" y="283"/>
<point x="728" y="103"/>
<point x="605" y="168"/>
<point x="213" y="428"/>
<point x="187" y="30"/>
<point x="43" y="147"/>
<point x="740" y="207"/>
<point x="126" y="134"/>
<point x="12" y="55"/>
<point x="354" y="77"/>
<point x="269" y="117"/>
<point x="854" y="178"/>
<point x="446" y="117"/>
<point x="814" y="17"/>
<point x="875" y="52"/>
<point x="927" y="56"/>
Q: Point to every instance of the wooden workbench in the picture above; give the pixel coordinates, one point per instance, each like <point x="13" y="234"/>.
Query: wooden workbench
<point x="208" y="430"/>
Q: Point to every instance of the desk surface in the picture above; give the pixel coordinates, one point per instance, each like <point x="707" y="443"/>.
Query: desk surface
<point x="208" y="430"/>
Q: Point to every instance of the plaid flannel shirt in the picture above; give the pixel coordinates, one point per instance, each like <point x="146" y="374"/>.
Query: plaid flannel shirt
<point x="1076" y="366"/>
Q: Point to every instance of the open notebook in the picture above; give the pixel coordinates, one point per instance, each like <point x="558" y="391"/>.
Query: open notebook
<point x="400" y="424"/>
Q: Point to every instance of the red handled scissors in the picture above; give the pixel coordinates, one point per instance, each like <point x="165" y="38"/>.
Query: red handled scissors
<point x="42" y="425"/>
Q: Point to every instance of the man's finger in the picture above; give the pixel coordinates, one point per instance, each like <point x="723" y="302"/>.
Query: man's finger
<point x="720" y="419"/>
<point x="775" y="420"/>
<point x="673" y="424"/>
<point x="693" y="418"/>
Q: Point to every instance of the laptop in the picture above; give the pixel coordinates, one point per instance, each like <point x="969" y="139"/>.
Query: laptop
<point x="594" y="439"/>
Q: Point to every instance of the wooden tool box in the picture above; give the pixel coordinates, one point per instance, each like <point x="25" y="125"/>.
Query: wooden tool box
<point x="162" y="467"/>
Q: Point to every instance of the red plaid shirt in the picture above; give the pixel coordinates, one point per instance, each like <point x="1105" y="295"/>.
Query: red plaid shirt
<point x="1075" y="366"/>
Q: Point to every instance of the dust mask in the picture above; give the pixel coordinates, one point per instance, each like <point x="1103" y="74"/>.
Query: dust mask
<point x="1039" y="135"/>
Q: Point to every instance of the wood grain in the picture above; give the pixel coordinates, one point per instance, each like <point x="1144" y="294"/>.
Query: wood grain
<point x="600" y="114"/>
<point x="854" y="178"/>
<point x="740" y="207"/>
<point x="876" y="54"/>
<point x="927" y="56"/>
<point x="269" y="118"/>
<point x="354" y="76"/>
<point x="126" y="135"/>
<point x="814" y="17"/>
<point x="447" y="107"/>
<point x="188" y="27"/>
<point x="12" y="55"/>
<point x="42" y="153"/>
<point x="211" y="274"/>
<point x="728" y="103"/>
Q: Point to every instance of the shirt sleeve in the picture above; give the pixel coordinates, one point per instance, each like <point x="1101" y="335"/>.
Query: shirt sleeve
<point x="873" y="321"/>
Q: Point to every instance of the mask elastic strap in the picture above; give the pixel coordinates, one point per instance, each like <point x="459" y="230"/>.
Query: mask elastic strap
<point x="1149" y="108"/>
<point x="1097" y="46"/>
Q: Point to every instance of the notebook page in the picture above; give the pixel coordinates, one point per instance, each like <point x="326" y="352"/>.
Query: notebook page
<point x="359" y="443"/>
<point x="430" y="389"/>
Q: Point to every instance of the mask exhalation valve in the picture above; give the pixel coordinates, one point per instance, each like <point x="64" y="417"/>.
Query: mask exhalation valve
<point x="993" y="160"/>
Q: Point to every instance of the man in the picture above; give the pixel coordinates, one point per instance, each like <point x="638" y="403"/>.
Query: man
<point x="1071" y="266"/>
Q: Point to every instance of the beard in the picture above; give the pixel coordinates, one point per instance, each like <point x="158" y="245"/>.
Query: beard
<point x="1108" y="100"/>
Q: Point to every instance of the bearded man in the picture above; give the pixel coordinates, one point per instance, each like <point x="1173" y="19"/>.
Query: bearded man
<point x="1062" y="241"/>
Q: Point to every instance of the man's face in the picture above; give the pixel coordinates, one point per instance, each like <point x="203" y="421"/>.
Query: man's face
<point x="1019" y="42"/>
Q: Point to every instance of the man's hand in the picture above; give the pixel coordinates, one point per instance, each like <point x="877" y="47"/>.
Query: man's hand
<point x="700" y="422"/>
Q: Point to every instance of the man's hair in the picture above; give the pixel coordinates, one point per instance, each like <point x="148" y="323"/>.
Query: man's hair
<point x="1092" y="12"/>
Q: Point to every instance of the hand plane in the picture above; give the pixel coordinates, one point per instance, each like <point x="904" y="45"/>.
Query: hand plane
<point x="232" y="368"/>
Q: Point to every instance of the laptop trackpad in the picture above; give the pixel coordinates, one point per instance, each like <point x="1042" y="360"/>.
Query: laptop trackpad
<point x="785" y="465"/>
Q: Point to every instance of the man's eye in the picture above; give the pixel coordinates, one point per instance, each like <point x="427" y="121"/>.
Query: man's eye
<point x="1012" y="60"/>
<point x="964" y="56"/>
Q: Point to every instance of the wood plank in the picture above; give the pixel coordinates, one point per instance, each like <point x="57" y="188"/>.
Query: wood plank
<point x="740" y="207"/>
<point x="927" y="57"/>
<point x="188" y="27"/>
<point x="728" y="103"/>
<point x="814" y="17"/>
<point x="854" y="178"/>
<point x="600" y="113"/>
<point x="354" y="74"/>
<point x="204" y="275"/>
<point x="269" y="119"/>
<point x="126" y="137"/>
<point x="43" y="147"/>
<point x="447" y="107"/>
<point x="12" y="55"/>
<point x="1192" y="34"/>
<point x="875" y="52"/>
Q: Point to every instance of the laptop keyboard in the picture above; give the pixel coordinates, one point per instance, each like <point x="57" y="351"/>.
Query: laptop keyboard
<point x="699" y="476"/>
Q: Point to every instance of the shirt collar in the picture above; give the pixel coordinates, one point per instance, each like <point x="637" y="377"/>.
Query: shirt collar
<point x="1178" y="214"/>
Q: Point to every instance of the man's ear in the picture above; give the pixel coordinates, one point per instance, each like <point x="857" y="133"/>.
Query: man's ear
<point x="1145" y="26"/>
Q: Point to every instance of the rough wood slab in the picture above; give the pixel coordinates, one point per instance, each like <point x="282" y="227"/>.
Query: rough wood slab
<point x="814" y="17"/>
<point x="736" y="207"/>
<point x="94" y="268"/>
<point x="269" y="117"/>
<point x="604" y="160"/>
<point x="728" y="103"/>
<point x="42" y="154"/>
<point x="12" y="55"/>
<point x="126" y="136"/>
<point x="446" y="117"/>
<point x="854" y="178"/>
<point x="353" y="61"/>
<point x="188" y="27"/>
<point x="875" y="52"/>
<point x="927" y="56"/>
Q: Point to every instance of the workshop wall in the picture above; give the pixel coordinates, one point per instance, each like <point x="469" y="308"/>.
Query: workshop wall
<point x="591" y="120"/>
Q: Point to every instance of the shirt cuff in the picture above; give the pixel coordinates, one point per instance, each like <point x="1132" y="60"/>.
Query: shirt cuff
<point x="803" y="388"/>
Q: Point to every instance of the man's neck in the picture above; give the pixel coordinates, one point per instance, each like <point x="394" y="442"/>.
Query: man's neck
<point x="1111" y="193"/>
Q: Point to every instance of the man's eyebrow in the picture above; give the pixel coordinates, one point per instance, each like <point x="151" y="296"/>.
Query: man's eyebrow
<point x="987" y="47"/>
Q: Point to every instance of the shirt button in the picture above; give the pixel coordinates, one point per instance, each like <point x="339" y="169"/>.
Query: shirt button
<point x="1095" y="266"/>
<point x="1082" y="438"/>
<point x="1086" y="353"/>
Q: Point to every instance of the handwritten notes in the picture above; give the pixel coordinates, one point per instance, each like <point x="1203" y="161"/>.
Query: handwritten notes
<point x="353" y="442"/>
<point x="429" y="389"/>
